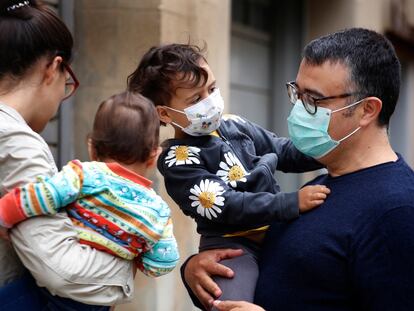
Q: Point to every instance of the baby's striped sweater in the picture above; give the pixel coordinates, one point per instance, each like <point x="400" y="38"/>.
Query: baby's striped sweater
<point x="112" y="208"/>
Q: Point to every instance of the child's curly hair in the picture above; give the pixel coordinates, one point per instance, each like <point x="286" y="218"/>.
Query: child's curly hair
<point x="164" y="68"/>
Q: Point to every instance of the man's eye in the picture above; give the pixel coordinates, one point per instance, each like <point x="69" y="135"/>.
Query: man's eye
<point x="213" y="89"/>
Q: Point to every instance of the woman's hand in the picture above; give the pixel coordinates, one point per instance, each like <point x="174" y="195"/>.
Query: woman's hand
<point x="201" y="267"/>
<point x="236" y="306"/>
<point x="4" y="233"/>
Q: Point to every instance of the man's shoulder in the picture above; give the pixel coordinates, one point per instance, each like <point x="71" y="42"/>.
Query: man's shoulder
<point x="383" y="188"/>
<point x="396" y="182"/>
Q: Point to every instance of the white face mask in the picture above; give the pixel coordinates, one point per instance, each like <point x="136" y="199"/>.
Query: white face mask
<point x="205" y="116"/>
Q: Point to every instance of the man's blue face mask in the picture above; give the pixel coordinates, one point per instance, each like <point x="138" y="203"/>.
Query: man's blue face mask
<point x="309" y="133"/>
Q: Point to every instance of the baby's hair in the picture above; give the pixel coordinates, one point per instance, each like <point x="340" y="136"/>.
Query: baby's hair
<point x="125" y="129"/>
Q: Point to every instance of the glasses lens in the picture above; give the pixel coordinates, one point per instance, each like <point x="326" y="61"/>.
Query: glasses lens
<point x="292" y="93"/>
<point x="309" y="103"/>
<point x="70" y="86"/>
<point x="71" y="82"/>
<point x="69" y="89"/>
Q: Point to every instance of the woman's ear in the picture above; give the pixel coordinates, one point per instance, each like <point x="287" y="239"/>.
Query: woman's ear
<point x="371" y="109"/>
<point x="152" y="161"/>
<point x="53" y="70"/>
<point x="92" y="151"/>
<point x="163" y="114"/>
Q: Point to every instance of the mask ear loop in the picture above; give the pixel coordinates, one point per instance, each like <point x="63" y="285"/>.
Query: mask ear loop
<point x="177" y="125"/>
<point x="349" y="135"/>
<point x="358" y="128"/>
<point x="349" y="106"/>
<point x="176" y="110"/>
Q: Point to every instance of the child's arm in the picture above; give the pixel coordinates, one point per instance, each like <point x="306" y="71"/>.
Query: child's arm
<point x="289" y="158"/>
<point x="204" y="195"/>
<point x="312" y="196"/>
<point x="44" y="197"/>
<point x="163" y="257"/>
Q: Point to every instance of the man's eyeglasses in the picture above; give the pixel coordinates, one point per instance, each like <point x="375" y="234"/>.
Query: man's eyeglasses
<point x="71" y="84"/>
<point x="310" y="102"/>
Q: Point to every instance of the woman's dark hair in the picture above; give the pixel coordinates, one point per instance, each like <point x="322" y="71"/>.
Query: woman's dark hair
<point x="126" y="128"/>
<point x="29" y="31"/>
<point x="160" y="68"/>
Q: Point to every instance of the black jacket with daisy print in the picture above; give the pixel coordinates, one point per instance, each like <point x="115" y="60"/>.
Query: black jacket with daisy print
<point x="227" y="183"/>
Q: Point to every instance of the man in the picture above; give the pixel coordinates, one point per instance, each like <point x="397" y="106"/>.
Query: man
<point x="355" y="252"/>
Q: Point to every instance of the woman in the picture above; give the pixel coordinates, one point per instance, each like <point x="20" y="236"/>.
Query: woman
<point x="35" y="77"/>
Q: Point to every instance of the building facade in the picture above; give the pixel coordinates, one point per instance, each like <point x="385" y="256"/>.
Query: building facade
<point x="254" y="48"/>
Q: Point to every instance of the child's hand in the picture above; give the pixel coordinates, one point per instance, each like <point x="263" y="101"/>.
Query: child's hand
<point x="312" y="196"/>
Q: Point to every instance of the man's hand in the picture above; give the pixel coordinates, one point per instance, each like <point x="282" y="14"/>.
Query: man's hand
<point x="236" y="306"/>
<point x="201" y="267"/>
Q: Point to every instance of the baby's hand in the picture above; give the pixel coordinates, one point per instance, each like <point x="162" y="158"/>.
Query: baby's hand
<point x="312" y="196"/>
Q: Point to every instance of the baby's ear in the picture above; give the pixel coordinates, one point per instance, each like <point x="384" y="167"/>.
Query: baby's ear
<point x="152" y="161"/>
<point x="92" y="151"/>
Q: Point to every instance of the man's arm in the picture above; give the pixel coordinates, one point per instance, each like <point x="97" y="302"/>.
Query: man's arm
<point x="48" y="246"/>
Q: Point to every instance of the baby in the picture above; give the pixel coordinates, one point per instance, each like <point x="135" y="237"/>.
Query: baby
<point x="109" y="200"/>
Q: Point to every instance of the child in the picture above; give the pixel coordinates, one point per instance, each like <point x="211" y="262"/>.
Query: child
<point x="110" y="201"/>
<point x="219" y="170"/>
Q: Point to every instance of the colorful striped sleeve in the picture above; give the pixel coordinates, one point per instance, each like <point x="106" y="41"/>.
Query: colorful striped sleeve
<point x="163" y="256"/>
<point x="44" y="197"/>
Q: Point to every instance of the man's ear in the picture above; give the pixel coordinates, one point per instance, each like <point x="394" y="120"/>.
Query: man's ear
<point x="371" y="109"/>
<point x="92" y="151"/>
<point x="163" y="114"/>
<point x="152" y="161"/>
<point x="53" y="70"/>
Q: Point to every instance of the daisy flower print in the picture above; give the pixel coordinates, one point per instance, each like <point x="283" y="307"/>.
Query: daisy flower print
<point x="179" y="155"/>
<point x="232" y="171"/>
<point x="207" y="198"/>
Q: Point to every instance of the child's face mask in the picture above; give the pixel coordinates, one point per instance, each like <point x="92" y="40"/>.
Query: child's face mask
<point x="205" y="116"/>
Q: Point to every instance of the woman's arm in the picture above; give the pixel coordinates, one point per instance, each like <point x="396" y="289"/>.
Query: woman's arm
<point x="48" y="246"/>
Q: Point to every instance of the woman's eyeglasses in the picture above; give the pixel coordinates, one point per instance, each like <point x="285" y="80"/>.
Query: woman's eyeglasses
<point x="71" y="84"/>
